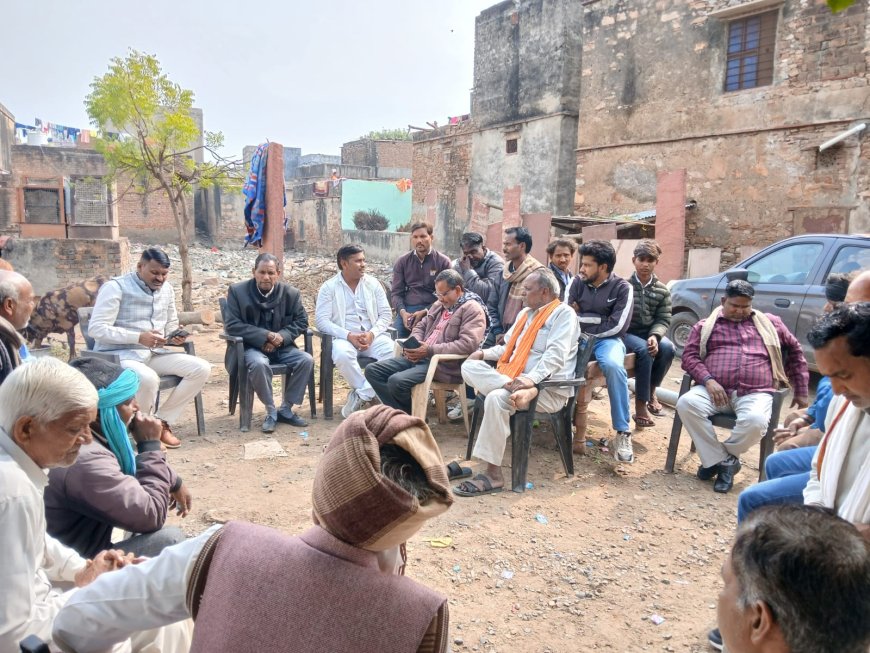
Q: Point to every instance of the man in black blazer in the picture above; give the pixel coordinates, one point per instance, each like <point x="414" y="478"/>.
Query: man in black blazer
<point x="268" y="314"/>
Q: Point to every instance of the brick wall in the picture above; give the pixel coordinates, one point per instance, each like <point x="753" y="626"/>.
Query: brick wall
<point x="384" y="154"/>
<point x="147" y="217"/>
<point x="652" y="101"/>
<point x="441" y="171"/>
<point x="50" y="263"/>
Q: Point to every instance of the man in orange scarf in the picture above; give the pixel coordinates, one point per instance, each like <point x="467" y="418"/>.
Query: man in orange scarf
<point x="541" y="344"/>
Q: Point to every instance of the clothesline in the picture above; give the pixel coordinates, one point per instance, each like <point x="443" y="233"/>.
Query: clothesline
<point x="57" y="134"/>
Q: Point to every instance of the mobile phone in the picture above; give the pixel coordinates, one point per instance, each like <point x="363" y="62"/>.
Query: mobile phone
<point x="410" y="343"/>
<point x="176" y="334"/>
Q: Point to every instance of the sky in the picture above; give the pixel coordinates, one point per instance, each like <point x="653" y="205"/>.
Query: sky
<point x="305" y="74"/>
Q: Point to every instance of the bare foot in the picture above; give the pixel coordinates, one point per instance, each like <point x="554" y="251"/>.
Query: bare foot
<point x="520" y="399"/>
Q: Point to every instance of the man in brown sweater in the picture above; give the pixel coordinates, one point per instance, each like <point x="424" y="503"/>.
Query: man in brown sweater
<point x="455" y="324"/>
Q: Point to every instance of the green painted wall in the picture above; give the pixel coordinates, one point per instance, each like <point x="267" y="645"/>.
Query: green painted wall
<point x="360" y="195"/>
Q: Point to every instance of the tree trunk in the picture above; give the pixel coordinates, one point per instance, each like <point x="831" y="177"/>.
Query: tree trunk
<point x="184" y="253"/>
<point x="182" y="223"/>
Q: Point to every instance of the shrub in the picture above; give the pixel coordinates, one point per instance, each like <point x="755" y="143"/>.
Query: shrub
<point x="371" y="220"/>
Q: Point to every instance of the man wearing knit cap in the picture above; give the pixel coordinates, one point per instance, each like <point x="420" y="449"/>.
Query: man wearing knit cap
<point x="110" y="485"/>
<point x="336" y="587"/>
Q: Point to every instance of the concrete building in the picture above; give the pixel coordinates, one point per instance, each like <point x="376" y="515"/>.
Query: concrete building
<point x="740" y="95"/>
<point x="513" y="162"/>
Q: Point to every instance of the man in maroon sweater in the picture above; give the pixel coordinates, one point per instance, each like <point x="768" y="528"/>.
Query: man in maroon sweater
<point x="737" y="357"/>
<point x="413" y="288"/>
<point x="85" y="501"/>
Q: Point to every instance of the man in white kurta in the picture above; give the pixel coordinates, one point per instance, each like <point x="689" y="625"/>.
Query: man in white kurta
<point x="352" y="307"/>
<point x="553" y="355"/>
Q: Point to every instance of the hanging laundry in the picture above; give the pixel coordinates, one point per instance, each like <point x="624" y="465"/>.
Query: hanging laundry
<point x="254" y="191"/>
<point x="86" y="136"/>
<point x="404" y="185"/>
<point x="321" y="189"/>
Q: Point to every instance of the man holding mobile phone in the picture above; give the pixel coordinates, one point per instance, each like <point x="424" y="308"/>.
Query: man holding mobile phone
<point x="133" y="317"/>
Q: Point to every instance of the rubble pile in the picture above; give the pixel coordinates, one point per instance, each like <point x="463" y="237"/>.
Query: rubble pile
<point x="214" y="269"/>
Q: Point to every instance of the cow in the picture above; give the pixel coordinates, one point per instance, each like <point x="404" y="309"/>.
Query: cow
<point x="57" y="312"/>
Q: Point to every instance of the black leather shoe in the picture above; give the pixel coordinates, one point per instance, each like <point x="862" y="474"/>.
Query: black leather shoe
<point x="706" y="473"/>
<point x="725" y="478"/>
<point x="292" y="419"/>
<point x="268" y="424"/>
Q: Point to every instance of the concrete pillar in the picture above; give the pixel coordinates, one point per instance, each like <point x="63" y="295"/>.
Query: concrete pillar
<point x="671" y="224"/>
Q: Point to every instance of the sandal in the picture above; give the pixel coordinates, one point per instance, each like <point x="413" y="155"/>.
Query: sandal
<point x="469" y="489"/>
<point x="655" y="409"/>
<point x="642" y="422"/>
<point x="455" y="471"/>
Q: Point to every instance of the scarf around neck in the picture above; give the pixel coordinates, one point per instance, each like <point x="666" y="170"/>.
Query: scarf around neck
<point x="514" y="367"/>
<point x="768" y="336"/>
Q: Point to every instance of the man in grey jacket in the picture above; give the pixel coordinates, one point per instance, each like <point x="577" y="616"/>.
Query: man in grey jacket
<point x="481" y="270"/>
<point x="109" y="486"/>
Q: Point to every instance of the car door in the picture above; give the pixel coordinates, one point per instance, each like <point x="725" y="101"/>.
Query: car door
<point x="781" y="277"/>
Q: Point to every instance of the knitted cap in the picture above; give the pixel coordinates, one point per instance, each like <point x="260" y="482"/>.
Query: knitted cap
<point x="353" y="500"/>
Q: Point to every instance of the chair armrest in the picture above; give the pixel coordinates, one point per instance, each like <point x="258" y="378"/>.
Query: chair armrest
<point x="449" y="357"/>
<point x="437" y="358"/>
<point x="189" y="348"/>
<point x="563" y="383"/>
<point x="391" y="331"/>
<point x="228" y="338"/>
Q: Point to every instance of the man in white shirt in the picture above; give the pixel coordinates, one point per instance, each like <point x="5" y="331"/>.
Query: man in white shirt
<point x="541" y="344"/>
<point x="133" y="317"/>
<point x="840" y="473"/>
<point x="352" y="307"/>
<point x="46" y="408"/>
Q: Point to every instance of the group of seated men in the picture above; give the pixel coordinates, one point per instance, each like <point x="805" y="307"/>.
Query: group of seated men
<point x="795" y="579"/>
<point x="540" y="342"/>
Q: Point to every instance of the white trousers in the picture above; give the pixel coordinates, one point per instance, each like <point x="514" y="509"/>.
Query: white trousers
<point x="753" y="415"/>
<point x="344" y="357"/>
<point x="194" y="372"/>
<point x="174" y="638"/>
<point x="497" y="410"/>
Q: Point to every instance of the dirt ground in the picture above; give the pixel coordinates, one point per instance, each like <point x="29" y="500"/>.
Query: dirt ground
<point x="620" y="546"/>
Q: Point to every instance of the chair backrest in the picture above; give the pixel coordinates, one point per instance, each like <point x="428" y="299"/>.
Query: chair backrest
<point x="585" y="350"/>
<point x="84" y="320"/>
<point x="222" y="302"/>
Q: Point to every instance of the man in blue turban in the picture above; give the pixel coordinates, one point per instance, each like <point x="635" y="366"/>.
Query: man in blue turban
<point x="111" y="485"/>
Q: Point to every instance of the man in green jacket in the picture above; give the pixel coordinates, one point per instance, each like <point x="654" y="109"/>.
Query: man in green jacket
<point x="645" y="338"/>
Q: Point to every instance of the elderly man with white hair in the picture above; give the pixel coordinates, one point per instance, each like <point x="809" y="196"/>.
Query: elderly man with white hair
<point x="16" y="305"/>
<point x="46" y="408"/>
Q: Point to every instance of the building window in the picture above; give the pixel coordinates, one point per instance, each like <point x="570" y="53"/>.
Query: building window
<point x="751" y="42"/>
<point x="90" y="202"/>
<point x="42" y="206"/>
<point x="511" y="146"/>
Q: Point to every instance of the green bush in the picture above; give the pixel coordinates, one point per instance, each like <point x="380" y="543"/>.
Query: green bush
<point x="371" y="220"/>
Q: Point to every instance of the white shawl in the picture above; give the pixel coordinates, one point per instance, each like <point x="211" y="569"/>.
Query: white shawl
<point x="852" y="427"/>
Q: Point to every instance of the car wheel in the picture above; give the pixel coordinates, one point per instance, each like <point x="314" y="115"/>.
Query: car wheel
<point x="681" y="327"/>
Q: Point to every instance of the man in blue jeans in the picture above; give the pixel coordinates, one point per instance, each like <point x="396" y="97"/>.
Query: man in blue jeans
<point x="650" y="321"/>
<point x="603" y="302"/>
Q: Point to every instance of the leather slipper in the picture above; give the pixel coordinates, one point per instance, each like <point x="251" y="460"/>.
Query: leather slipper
<point x="469" y="489"/>
<point x="642" y="422"/>
<point x="655" y="409"/>
<point x="456" y="472"/>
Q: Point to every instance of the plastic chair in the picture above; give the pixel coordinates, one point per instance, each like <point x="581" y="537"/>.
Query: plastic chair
<point x="521" y="421"/>
<point x="243" y="392"/>
<point x="726" y="420"/>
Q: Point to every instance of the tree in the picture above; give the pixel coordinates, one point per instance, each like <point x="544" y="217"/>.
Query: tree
<point x="398" y="134"/>
<point x="839" y="5"/>
<point x="149" y="136"/>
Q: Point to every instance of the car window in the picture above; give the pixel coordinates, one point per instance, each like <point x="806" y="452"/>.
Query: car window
<point x="851" y="258"/>
<point x="789" y="265"/>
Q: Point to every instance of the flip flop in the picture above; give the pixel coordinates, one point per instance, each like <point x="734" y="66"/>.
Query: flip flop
<point x="467" y="489"/>
<point x="655" y="409"/>
<point x="642" y="422"/>
<point x="455" y="471"/>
